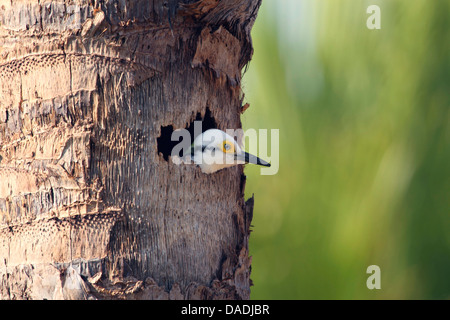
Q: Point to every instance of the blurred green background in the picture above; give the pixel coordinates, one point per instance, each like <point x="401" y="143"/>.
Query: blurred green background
<point x="364" y="149"/>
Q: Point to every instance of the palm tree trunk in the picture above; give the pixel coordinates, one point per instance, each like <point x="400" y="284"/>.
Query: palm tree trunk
<point x="89" y="207"/>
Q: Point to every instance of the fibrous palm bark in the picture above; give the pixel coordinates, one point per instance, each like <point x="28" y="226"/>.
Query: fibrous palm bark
<point x="88" y="206"/>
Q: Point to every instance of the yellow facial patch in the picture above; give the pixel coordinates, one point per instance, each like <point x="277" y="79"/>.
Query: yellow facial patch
<point x="228" y="147"/>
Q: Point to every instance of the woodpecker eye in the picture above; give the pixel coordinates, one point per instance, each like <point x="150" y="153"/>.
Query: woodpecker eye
<point x="227" y="147"/>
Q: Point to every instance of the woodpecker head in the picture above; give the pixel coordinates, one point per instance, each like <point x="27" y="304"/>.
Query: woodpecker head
<point x="214" y="150"/>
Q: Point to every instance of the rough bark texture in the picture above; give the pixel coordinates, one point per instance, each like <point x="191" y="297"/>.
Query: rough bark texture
<point x="88" y="207"/>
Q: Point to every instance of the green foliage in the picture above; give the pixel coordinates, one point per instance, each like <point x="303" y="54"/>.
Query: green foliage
<point x="364" y="149"/>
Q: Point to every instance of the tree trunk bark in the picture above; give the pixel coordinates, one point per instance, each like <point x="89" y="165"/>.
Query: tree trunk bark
<point x="89" y="207"/>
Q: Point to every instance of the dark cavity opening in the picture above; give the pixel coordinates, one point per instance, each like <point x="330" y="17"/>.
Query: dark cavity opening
<point x="165" y="143"/>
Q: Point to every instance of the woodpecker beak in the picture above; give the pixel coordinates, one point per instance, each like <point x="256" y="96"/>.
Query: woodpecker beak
<point x="249" y="158"/>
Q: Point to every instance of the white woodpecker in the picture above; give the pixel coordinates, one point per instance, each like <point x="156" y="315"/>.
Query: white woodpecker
<point x="214" y="150"/>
